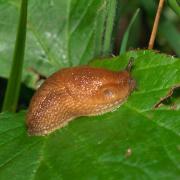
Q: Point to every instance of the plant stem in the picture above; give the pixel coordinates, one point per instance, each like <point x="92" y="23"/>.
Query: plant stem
<point x="155" y="26"/>
<point x="14" y="82"/>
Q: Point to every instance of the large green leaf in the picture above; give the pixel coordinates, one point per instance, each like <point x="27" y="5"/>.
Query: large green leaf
<point x="60" y="33"/>
<point x="136" y="141"/>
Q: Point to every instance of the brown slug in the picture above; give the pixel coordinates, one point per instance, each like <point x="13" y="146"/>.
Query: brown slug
<point x="74" y="92"/>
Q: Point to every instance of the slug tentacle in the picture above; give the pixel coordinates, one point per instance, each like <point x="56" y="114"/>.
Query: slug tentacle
<point x="74" y="92"/>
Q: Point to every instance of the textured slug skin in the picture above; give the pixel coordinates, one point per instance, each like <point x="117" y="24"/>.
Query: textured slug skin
<point x="74" y="92"/>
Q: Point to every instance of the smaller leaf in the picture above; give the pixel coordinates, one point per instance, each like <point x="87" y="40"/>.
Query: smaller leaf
<point x="126" y="35"/>
<point x="99" y="29"/>
<point x="109" y="26"/>
<point x="175" y="6"/>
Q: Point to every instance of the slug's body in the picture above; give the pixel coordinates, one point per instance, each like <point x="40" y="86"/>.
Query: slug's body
<point x="74" y="92"/>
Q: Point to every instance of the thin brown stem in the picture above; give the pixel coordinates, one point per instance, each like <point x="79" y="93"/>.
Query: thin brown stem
<point x="155" y="26"/>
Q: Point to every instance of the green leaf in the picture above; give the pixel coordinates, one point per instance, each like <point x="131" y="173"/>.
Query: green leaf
<point x="60" y="34"/>
<point x="14" y="82"/>
<point x="175" y="5"/>
<point x="127" y="33"/>
<point x="109" y="27"/>
<point x="100" y="23"/>
<point x="136" y="141"/>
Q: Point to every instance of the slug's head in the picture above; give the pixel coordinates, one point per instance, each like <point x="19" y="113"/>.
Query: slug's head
<point x="114" y="90"/>
<point x="100" y="90"/>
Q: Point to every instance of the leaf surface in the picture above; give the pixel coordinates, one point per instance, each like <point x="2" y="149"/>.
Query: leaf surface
<point x="136" y="141"/>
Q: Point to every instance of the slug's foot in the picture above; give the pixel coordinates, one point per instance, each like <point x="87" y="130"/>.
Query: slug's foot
<point x="45" y="131"/>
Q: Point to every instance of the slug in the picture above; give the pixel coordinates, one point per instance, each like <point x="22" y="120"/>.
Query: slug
<point x="74" y="92"/>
